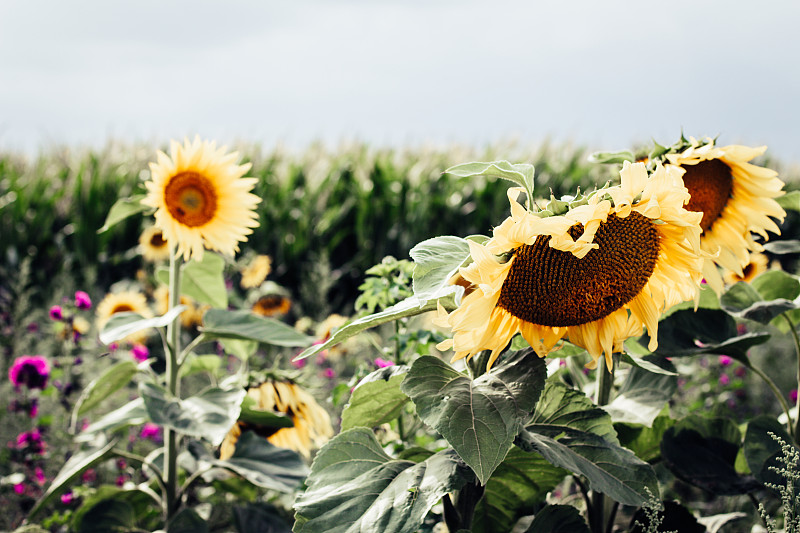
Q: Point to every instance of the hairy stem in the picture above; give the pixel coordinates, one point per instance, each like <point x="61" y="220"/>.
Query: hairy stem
<point x="171" y="502"/>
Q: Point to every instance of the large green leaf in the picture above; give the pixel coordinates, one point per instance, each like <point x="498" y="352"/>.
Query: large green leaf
<point x="244" y="325"/>
<point x="209" y="415"/>
<point x="702" y="451"/>
<point x="251" y="414"/>
<point x="786" y="246"/>
<point x="132" y="413"/>
<point x="744" y="301"/>
<point x="409" y="307"/>
<point x="762" y="451"/>
<point x="79" y="462"/>
<point x="376" y="399"/>
<point x="561" y="407"/>
<point x="120" y="325"/>
<point x="122" y="209"/>
<point x="100" y="388"/>
<point x="111" y="515"/>
<point x="265" y="465"/>
<point x="259" y="517"/>
<point x="521" y="481"/>
<point x="558" y="519"/>
<point x="203" y="280"/>
<point x="642" y="396"/>
<point x="610" y="469"/>
<point x="612" y="157"/>
<point x="521" y="174"/>
<point x="775" y="284"/>
<point x="355" y="487"/>
<point x="187" y="521"/>
<point x="113" y="509"/>
<point x="673" y="517"/>
<point x="645" y="442"/>
<point x="436" y="261"/>
<point x="481" y="417"/>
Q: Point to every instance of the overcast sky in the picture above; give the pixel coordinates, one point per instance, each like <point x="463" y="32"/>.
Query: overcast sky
<point x="397" y="73"/>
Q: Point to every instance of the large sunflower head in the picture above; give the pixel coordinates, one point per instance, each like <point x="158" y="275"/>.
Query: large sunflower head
<point x="735" y="197"/>
<point x="595" y="274"/>
<point x="312" y="424"/>
<point x="153" y="245"/>
<point x="201" y="199"/>
<point x="120" y="302"/>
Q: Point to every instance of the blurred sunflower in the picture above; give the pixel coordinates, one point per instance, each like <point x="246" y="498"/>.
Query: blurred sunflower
<point x="735" y="197"/>
<point x="312" y="424"/>
<point x="121" y="302"/>
<point x="596" y="274"/>
<point x="193" y="314"/>
<point x="201" y="199"/>
<point x="153" y="245"/>
<point x="256" y="272"/>
<point x="272" y="305"/>
<point x="757" y="265"/>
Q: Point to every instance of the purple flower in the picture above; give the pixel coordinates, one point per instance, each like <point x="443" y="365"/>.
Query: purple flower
<point x="299" y="363"/>
<point x="793" y="395"/>
<point x="740" y="371"/>
<point x="67" y="498"/>
<point x="383" y="363"/>
<point x="19" y="488"/>
<point x="56" y="313"/>
<point x="151" y="431"/>
<point x="39" y="474"/>
<point x="329" y="373"/>
<point x="140" y="352"/>
<point x="89" y="476"/>
<point x="724" y="379"/>
<point x="725" y="360"/>
<point x="29" y="370"/>
<point x="82" y="300"/>
<point x="31" y="442"/>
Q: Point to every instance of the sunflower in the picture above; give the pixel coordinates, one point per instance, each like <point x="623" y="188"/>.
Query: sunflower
<point x="272" y="305"/>
<point x="596" y="274"/>
<point x="256" y="272"/>
<point x="190" y="317"/>
<point x="120" y="302"/>
<point x="735" y="197"/>
<point x="757" y="265"/>
<point x="201" y="198"/>
<point x="312" y="424"/>
<point x="153" y="245"/>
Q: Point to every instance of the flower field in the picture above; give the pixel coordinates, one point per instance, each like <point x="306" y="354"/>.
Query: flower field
<point x="526" y="339"/>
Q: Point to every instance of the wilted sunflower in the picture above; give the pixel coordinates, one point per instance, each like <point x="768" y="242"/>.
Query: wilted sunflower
<point x="190" y="317"/>
<point x="153" y="245"/>
<point x="201" y="198"/>
<point x="312" y="425"/>
<point x="757" y="265"/>
<point x="736" y="199"/>
<point x="121" y="302"/>
<point x="256" y="272"/>
<point x="595" y="274"/>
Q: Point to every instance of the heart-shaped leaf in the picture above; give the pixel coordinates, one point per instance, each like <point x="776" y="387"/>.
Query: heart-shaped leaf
<point x="762" y="451"/>
<point x="481" y="417"/>
<point x="436" y="261"/>
<point x="376" y="399"/>
<point x="100" y="388"/>
<point x="120" y="325"/>
<point x="744" y="301"/>
<point x="562" y="408"/>
<point x="132" y="413"/>
<point x="558" y="519"/>
<point x="122" y="209"/>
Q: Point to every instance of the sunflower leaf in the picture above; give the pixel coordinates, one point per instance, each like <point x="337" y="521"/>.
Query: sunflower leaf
<point x="642" y="396"/>
<point x="132" y="413"/>
<point x="612" y="157"/>
<point x="479" y="418"/>
<point x="561" y="407"/>
<point x="203" y="280"/>
<point x="775" y="284"/>
<point x="265" y="465"/>
<point x="787" y="246"/>
<point x="558" y="519"/>
<point x="762" y="451"/>
<point x="521" y="174"/>
<point x="208" y="415"/>
<point x="120" y="325"/>
<point x="436" y="261"/>
<point x="355" y="486"/>
<point x="376" y="399"/>
<point x="744" y="301"/>
<point x="122" y="209"/>
<point x="244" y="325"/>
<point x="790" y="200"/>
<point x="100" y="388"/>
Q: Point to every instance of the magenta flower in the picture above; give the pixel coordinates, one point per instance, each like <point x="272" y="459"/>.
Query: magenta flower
<point x="19" y="488"/>
<point x="724" y="379"/>
<point x="140" y="352"/>
<point x="299" y="363"/>
<point x="67" y="498"/>
<point x="39" y="474"/>
<point x="29" y="370"/>
<point x="151" y="431"/>
<point x="329" y="373"/>
<point x="56" y="313"/>
<point x="31" y="441"/>
<point x="725" y="360"/>
<point x="82" y="300"/>
<point x="793" y="395"/>
<point x="383" y="363"/>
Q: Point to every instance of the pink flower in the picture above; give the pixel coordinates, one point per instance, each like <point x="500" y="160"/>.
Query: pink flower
<point x="89" y="475"/>
<point x="56" y="313"/>
<point x="383" y="363"/>
<point x="329" y="373"/>
<point x="299" y="363"/>
<point x="121" y="480"/>
<point x="793" y="395"/>
<point x="67" y="498"/>
<point x="724" y="379"/>
<point x="151" y="431"/>
<point x="40" y="477"/>
<point x="31" y="441"/>
<point x="725" y="360"/>
<point x="740" y="371"/>
<point x="140" y="352"/>
<point x="29" y="370"/>
<point x="82" y="300"/>
<point x="19" y="488"/>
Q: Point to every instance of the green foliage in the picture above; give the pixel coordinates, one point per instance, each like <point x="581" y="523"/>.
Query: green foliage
<point x="386" y="285"/>
<point x="558" y="519"/>
<point x="244" y="325"/>
<point x="376" y="399"/>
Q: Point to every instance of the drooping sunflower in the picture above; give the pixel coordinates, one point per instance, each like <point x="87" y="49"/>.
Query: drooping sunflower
<point x="256" y="272"/>
<point x="153" y="245"/>
<point x="312" y="424"/>
<point x="201" y="199"/>
<point x="120" y="302"/>
<point x="736" y="198"/>
<point x="758" y="265"/>
<point x="596" y="274"/>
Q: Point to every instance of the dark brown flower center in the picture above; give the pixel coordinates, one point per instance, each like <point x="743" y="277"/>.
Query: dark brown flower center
<point x="710" y="184"/>
<point x="549" y="287"/>
<point x="191" y="199"/>
<point x="157" y="240"/>
<point x="272" y="305"/>
<point x="121" y="308"/>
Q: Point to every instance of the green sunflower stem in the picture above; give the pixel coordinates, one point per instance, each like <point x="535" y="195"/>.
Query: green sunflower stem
<point x="793" y="330"/>
<point x="602" y="510"/>
<point x="171" y="502"/>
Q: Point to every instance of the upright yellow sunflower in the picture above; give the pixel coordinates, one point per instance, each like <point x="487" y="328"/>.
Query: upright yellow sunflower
<point x="256" y="271"/>
<point x="120" y="302"/>
<point x="736" y="199"/>
<point x="201" y="199"/>
<point x="312" y="424"/>
<point x="153" y="245"/>
<point x="596" y="274"/>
